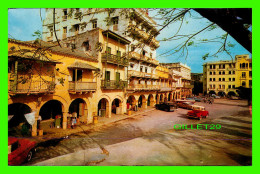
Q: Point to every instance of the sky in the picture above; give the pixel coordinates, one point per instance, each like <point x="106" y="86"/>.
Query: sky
<point x="22" y="23"/>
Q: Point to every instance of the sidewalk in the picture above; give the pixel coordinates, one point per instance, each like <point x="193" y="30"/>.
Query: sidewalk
<point x="58" y="133"/>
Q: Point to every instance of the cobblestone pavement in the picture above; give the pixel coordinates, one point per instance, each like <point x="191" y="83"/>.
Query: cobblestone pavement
<point x="149" y="139"/>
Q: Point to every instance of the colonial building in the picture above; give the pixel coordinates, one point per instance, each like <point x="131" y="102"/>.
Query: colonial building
<point x="103" y="64"/>
<point x="183" y="73"/>
<point x="223" y="77"/>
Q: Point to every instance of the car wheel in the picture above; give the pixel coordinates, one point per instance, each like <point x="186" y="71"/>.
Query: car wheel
<point x="207" y="116"/>
<point x="29" y="155"/>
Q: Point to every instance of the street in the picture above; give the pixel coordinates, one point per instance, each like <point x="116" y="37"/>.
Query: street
<point x="150" y="139"/>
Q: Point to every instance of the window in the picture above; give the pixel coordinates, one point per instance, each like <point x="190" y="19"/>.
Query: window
<point x="214" y="86"/>
<point x="223" y="86"/>
<point x="65" y="15"/>
<point x="210" y="86"/>
<point x="233" y="79"/>
<point x="250" y="83"/>
<point x="210" y="79"/>
<point x="223" y="79"/>
<point x="151" y="55"/>
<point x="250" y="65"/>
<point x="108" y="50"/>
<point x="214" y="66"/>
<point x="229" y="79"/>
<point x="234" y="72"/>
<point x="86" y="46"/>
<point x="219" y="72"/>
<point x="118" y="53"/>
<point x="243" y="74"/>
<point x="94" y="24"/>
<point x="131" y="65"/>
<point x="219" y="79"/>
<point x="107" y="75"/>
<point x="76" y="28"/>
<point x="233" y="86"/>
<point x="210" y="73"/>
<point x="229" y="72"/>
<point x="214" y="73"/>
<point x="219" y="86"/>
<point x="141" y="68"/>
<point x="214" y="79"/>
<point x="250" y="73"/>
<point x="229" y="86"/>
<point x="223" y="72"/>
<point x="115" y="20"/>
<point x="79" y="75"/>
<point x="244" y="84"/>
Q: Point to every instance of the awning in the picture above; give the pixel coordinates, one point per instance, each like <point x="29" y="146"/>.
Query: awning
<point x="81" y="65"/>
<point x="115" y="36"/>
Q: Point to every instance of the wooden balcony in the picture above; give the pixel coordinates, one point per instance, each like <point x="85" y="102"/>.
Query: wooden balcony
<point x="143" y="87"/>
<point x="113" y="84"/>
<point x="164" y="89"/>
<point x="134" y="55"/>
<point x="114" y="59"/>
<point x="133" y="73"/>
<point x="82" y="86"/>
<point x="31" y="87"/>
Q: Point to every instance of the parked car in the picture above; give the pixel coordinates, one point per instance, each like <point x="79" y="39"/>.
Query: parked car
<point x="197" y="99"/>
<point x="185" y="105"/>
<point x="166" y="106"/>
<point x="20" y="150"/>
<point x="198" y="112"/>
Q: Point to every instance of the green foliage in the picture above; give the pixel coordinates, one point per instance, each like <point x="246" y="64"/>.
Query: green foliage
<point x="190" y="43"/>
<point x="230" y="45"/>
<point x="61" y="81"/>
<point x="205" y="56"/>
<point x="212" y="27"/>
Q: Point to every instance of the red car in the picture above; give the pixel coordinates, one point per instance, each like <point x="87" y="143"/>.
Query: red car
<point x="20" y="150"/>
<point x="198" y="112"/>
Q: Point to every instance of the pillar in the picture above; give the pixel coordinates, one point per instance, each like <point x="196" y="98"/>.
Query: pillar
<point x="34" y="126"/>
<point x="65" y="120"/>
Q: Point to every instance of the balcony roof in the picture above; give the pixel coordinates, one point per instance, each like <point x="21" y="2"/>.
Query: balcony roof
<point x="26" y="54"/>
<point x="81" y="65"/>
<point x="115" y="36"/>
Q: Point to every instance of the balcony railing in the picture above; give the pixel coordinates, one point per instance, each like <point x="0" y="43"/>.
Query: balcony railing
<point x="113" y="84"/>
<point x="166" y="88"/>
<point x="31" y="87"/>
<point x="133" y="73"/>
<point x="82" y="86"/>
<point x="178" y="85"/>
<point x="138" y="87"/>
<point x="137" y="56"/>
<point x="65" y="17"/>
<point x="114" y="59"/>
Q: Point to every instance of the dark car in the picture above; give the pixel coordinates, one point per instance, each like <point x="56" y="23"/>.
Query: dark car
<point x="20" y="150"/>
<point x="167" y="106"/>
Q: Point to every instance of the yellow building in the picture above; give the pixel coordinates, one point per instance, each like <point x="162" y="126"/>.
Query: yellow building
<point x="63" y="82"/>
<point x="223" y="77"/>
<point x="243" y="71"/>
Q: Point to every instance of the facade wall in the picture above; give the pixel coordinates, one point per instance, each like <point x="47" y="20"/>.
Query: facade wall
<point x="225" y="76"/>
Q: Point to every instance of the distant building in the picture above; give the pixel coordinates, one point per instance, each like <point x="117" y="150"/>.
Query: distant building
<point x="223" y="77"/>
<point x="197" y="81"/>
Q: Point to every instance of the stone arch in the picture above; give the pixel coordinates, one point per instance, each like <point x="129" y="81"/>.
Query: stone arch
<point x="17" y="111"/>
<point x="104" y="109"/>
<point x="212" y="92"/>
<point x="157" y="98"/>
<point x="142" y="103"/>
<point x="131" y="102"/>
<point x="79" y="108"/>
<point x="169" y="96"/>
<point x="150" y="100"/>
<point x="221" y="93"/>
<point x="231" y="93"/>
<point x="117" y="106"/>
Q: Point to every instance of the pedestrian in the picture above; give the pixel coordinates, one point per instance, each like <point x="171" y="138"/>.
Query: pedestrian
<point x="73" y="122"/>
